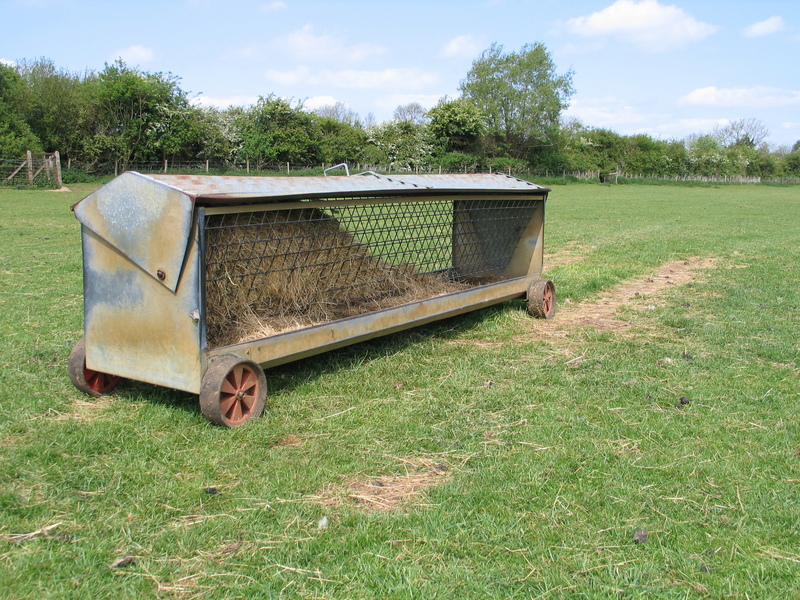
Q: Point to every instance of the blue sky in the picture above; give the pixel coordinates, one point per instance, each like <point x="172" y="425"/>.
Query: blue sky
<point x="668" y="68"/>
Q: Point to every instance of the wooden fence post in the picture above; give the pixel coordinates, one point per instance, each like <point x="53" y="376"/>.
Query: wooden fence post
<point x="57" y="159"/>
<point x="30" y="166"/>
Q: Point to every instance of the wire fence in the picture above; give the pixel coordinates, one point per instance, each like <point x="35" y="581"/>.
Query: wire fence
<point x="44" y="170"/>
<point x="508" y="169"/>
<point x="35" y="170"/>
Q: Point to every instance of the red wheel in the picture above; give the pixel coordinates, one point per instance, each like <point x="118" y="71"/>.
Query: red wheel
<point x="233" y="391"/>
<point x="89" y="381"/>
<point x="542" y="299"/>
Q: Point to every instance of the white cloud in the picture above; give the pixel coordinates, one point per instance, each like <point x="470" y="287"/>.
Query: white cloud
<point x="466" y="46"/>
<point x="135" y="55"/>
<point x="305" y="44"/>
<point x="225" y="102"/>
<point x="405" y="79"/>
<point x="767" y="27"/>
<point x="612" y="113"/>
<point x="273" y="6"/>
<point x="401" y="79"/>
<point x="8" y="63"/>
<point x="648" y="24"/>
<point x="392" y="101"/>
<point x="608" y="112"/>
<point x="300" y="75"/>
<point x="316" y="102"/>
<point x="753" y="97"/>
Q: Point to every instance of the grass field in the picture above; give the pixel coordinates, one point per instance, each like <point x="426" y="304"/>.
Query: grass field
<point x="490" y="455"/>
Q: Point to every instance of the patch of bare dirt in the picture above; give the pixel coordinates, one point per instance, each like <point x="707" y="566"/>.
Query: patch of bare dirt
<point x="571" y="253"/>
<point x="386" y="493"/>
<point x="601" y="314"/>
<point x="289" y="440"/>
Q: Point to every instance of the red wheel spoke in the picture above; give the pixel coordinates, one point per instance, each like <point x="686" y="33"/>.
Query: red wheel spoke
<point x="248" y="402"/>
<point x="228" y="387"/>
<point x="248" y="383"/>
<point x="236" y="412"/>
<point x="237" y="373"/>
<point x="226" y="403"/>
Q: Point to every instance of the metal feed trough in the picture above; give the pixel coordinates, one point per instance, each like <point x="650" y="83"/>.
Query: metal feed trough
<point x="197" y="283"/>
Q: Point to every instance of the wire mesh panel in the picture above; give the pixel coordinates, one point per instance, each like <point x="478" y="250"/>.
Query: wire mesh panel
<point x="275" y="270"/>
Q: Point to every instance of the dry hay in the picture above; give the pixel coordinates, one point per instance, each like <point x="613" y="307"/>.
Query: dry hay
<point x="386" y="493"/>
<point x="601" y="313"/>
<point x="84" y="411"/>
<point x="297" y="269"/>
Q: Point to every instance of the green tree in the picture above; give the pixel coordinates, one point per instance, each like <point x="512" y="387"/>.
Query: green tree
<point x="338" y="142"/>
<point x="521" y="95"/>
<point x="275" y="131"/>
<point x="456" y="126"/>
<point x="707" y="157"/>
<point x="221" y="138"/>
<point x="16" y="136"/>
<point x="400" y="145"/>
<point x="791" y="163"/>
<point x="134" y="110"/>
<point x="57" y="106"/>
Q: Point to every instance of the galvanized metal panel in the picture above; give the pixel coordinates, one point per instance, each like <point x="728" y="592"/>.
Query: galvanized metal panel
<point x="211" y="189"/>
<point x="478" y="228"/>
<point x="528" y="257"/>
<point x="484" y="182"/>
<point x="294" y="345"/>
<point x="134" y="326"/>
<point x="146" y="221"/>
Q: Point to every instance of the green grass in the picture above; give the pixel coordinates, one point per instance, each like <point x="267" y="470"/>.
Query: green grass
<point x="551" y="468"/>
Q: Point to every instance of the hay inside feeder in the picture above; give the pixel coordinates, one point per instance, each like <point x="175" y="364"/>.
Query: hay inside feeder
<point x="297" y="268"/>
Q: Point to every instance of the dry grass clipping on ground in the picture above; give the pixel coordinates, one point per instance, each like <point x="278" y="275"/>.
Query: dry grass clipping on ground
<point x="386" y="493"/>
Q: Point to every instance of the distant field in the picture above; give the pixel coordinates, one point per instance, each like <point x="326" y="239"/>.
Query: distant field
<point x="489" y="455"/>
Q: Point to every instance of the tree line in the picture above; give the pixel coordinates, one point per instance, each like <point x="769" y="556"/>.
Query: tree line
<point x="509" y="116"/>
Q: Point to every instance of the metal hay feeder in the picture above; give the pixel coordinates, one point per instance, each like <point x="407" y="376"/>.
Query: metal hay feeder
<point x="172" y="262"/>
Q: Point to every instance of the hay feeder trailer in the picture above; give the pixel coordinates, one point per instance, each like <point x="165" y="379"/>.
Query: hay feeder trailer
<point x="198" y="283"/>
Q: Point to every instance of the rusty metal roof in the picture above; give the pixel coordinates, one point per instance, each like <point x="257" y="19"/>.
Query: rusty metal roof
<point x="223" y="189"/>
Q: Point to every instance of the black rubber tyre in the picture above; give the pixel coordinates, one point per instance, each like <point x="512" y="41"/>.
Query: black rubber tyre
<point x="542" y="299"/>
<point x="233" y="391"/>
<point x="86" y="380"/>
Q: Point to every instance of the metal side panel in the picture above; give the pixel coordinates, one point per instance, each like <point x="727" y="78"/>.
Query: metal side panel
<point x="137" y="328"/>
<point x="528" y="256"/>
<point x="294" y="345"/>
<point x="145" y="220"/>
<point x="491" y="241"/>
